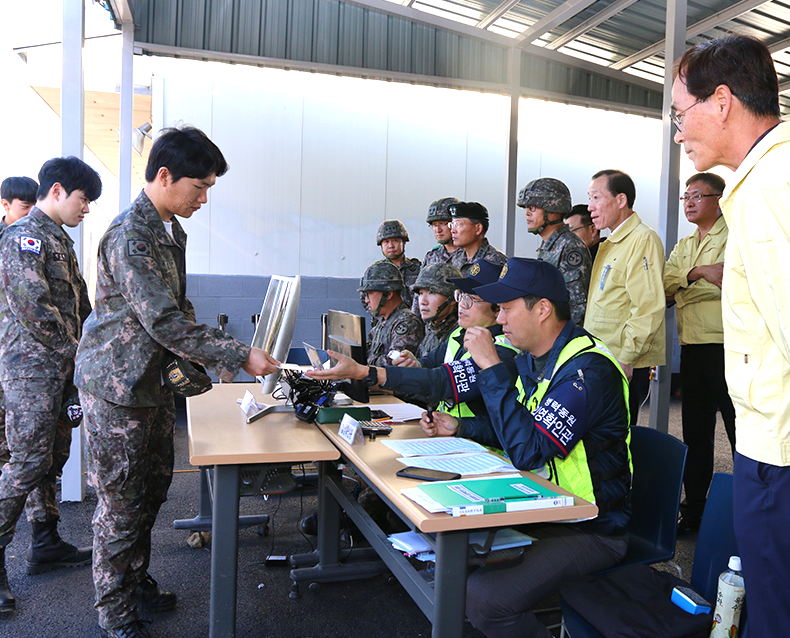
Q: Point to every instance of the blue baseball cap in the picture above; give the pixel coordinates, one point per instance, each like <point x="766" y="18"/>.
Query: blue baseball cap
<point x="481" y="273"/>
<point x="522" y="276"/>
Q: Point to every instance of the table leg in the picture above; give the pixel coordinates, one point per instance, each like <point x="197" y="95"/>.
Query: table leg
<point x="224" y="552"/>
<point x="449" y="602"/>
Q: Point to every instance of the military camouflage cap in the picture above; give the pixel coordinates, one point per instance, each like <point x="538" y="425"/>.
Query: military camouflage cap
<point x="382" y="276"/>
<point x="434" y="277"/>
<point x="391" y="229"/>
<point x="547" y="193"/>
<point x="184" y="378"/>
<point x="470" y="210"/>
<point x="439" y="211"/>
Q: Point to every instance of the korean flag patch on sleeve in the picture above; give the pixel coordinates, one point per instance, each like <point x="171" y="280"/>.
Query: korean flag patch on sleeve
<point x="138" y="248"/>
<point x="562" y="415"/>
<point x="29" y="244"/>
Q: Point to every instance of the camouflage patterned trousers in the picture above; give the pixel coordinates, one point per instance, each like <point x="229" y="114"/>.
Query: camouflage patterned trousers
<point x="130" y="465"/>
<point x="4" y="453"/>
<point x="38" y="447"/>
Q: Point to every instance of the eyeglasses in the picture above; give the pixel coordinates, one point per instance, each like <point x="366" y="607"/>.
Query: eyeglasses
<point x="696" y="198"/>
<point x="458" y="224"/>
<point x="677" y="118"/>
<point x="573" y="230"/>
<point x="465" y="300"/>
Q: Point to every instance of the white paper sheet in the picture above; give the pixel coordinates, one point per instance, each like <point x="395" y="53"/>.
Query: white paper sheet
<point x="464" y="464"/>
<point x="432" y="447"/>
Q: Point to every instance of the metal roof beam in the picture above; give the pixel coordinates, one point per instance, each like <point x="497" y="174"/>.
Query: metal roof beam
<point x="561" y="14"/>
<point x="497" y="13"/>
<point x="121" y="11"/>
<point x="784" y="87"/>
<point x="778" y="46"/>
<point x="588" y="25"/>
<point x="700" y="27"/>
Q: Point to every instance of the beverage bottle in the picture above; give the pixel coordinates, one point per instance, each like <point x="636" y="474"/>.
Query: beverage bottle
<point x="729" y="601"/>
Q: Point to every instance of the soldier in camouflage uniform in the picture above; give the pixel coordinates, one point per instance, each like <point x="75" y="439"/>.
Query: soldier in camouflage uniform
<point x="438" y="219"/>
<point x="469" y="228"/>
<point x="142" y="315"/>
<point x="438" y="307"/>
<point x="397" y="327"/>
<point x="17" y="196"/>
<point x="546" y="201"/>
<point x="43" y="303"/>
<point x="391" y="238"/>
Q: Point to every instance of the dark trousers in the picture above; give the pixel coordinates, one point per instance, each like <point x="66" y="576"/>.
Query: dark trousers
<point x="637" y="391"/>
<point x="704" y="392"/>
<point x="761" y="502"/>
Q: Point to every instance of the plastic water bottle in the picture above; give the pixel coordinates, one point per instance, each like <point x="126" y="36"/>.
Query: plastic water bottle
<point x="729" y="601"/>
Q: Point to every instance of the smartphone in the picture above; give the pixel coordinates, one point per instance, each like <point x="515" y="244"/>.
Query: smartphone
<point x="427" y="475"/>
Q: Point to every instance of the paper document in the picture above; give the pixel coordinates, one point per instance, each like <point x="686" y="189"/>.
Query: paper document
<point x="465" y="464"/>
<point x="432" y="447"/>
<point x="400" y="412"/>
<point x="414" y="544"/>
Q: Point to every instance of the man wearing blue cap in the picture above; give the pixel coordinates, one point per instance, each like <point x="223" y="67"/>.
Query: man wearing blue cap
<point x="564" y="416"/>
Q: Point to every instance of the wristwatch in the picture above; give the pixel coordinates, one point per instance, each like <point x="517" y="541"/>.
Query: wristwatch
<point x="373" y="377"/>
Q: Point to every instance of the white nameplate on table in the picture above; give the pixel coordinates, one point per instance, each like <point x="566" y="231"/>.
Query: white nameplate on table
<point x="350" y="430"/>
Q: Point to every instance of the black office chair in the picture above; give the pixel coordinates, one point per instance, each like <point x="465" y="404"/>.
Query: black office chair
<point x="715" y="544"/>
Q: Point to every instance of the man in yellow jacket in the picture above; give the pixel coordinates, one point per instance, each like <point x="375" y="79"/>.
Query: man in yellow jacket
<point x="725" y="105"/>
<point x="626" y="303"/>
<point x="692" y="281"/>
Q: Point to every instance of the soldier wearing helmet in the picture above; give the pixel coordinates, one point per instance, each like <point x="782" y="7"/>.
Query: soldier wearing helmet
<point x="546" y="201"/>
<point x="469" y="227"/>
<point x="437" y="304"/>
<point x="391" y="238"/>
<point x="395" y="327"/>
<point x="438" y="219"/>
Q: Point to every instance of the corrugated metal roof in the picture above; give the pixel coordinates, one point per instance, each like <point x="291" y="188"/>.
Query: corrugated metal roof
<point x="583" y="51"/>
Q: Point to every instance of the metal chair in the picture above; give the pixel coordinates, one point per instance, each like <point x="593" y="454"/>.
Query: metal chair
<point x="715" y="544"/>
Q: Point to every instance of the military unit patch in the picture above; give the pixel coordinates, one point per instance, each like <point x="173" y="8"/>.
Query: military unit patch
<point x="60" y="257"/>
<point x="138" y="248"/>
<point x="400" y="329"/>
<point x="574" y="258"/>
<point x="29" y="244"/>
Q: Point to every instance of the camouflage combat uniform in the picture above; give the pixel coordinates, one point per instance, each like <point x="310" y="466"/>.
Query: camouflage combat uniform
<point x="4" y="454"/>
<point x="409" y="270"/>
<point x="571" y="256"/>
<point x="401" y="330"/>
<point x="141" y="312"/>
<point x="437" y="332"/>
<point x="438" y="255"/>
<point x="486" y="251"/>
<point x="43" y="302"/>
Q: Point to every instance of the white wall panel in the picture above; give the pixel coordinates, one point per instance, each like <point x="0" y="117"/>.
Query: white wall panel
<point x="343" y="175"/>
<point x="255" y="219"/>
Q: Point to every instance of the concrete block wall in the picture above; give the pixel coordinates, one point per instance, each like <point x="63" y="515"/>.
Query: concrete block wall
<point x="241" y="296"/>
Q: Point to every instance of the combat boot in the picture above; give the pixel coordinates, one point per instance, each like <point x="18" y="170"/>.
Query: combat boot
<point x="48" y="551"/>
<point x="7" y="600"/>
<point x="153" y="598"/>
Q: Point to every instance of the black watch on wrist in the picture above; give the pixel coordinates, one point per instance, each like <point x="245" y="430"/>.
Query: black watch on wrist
<point x="373" y="377"/>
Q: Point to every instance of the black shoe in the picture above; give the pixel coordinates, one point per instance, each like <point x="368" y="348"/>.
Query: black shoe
<point x="309" y="525"/>
<point x="134" y="629"/>
<point x="688" y="524"/>
<point x="48" y="551"/>
<point x="154" y="599"/>
<point x="7" y="600"/>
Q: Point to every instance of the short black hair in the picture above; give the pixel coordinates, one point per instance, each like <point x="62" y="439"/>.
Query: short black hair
<point x="185" y="152"/>
<point x="72" y="174"/>
<point x="742" y="63"/>
<point x="713" y="181"/>
<point x="562" y="309"/>
<point x="619" y="182"/>
<point x="21" y="188"/>
<point x="582" y="211"/>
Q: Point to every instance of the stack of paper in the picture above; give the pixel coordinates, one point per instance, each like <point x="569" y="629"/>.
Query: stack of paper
<point x="413" y="544"/>
<point x="449" y="454"/>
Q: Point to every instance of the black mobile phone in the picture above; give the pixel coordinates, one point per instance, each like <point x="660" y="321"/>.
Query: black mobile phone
<point x="427" y="475"/>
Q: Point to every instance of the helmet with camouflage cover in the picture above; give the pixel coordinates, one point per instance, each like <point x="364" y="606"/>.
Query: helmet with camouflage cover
<point x="434" y="277"/>
<point x="391" y="229"/>
<point x="549" y="194"/>
<point x="439" y="211"/>
<point x="382" y="276"/>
